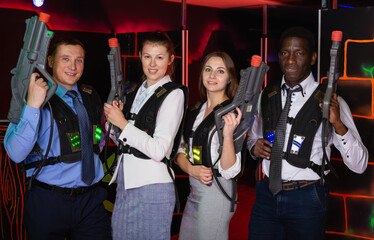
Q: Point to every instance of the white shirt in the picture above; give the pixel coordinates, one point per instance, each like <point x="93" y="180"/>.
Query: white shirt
<point x="228" y="173"/>
<point x="140" y="172"/>
<point x="353" y="151"/>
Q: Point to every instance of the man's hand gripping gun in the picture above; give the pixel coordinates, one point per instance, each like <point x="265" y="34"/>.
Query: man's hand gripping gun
<point x="246" y="98"/>
<point x="333" y="76"/>
<point x="117" y="91"/>
<point x="33" y="57"/>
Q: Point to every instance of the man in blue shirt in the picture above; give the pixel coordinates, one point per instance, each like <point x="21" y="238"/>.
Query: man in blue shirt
<point x="61" y="202"/>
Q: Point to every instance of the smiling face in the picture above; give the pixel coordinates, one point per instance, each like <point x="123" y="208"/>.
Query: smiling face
<point x="155" y="61"/>
<point x="67" y="65"/>
<point x="215" y="75"/>
<point x="295" y="60"/>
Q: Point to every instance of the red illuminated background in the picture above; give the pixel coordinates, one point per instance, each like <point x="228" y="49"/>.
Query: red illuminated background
<point x="241" y="28"/>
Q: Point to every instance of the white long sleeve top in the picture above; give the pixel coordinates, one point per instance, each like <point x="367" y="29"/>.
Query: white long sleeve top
<point x="140" y="172"/>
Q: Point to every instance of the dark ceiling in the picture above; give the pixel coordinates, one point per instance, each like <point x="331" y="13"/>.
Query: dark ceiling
<point x="116" y="16"/>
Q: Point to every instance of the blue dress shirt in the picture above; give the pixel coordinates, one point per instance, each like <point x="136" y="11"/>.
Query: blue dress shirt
<point x="34" y="126"/>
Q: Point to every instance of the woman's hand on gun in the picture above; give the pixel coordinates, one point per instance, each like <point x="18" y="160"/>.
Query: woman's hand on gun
<point x="113" y="114"/>
<point x="231" y="122"/>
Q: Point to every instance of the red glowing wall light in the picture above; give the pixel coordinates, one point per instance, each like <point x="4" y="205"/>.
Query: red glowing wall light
<point x="233" y="3"/>
<point x="346" y="233"/>
<point x="345" y="77"/>
<point x="130" y="27"/>
<point x="20" y="6"/>
<point x="60" y="21"/>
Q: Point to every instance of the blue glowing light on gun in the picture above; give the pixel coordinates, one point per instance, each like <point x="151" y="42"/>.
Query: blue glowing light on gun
<point x="127" y="85"/>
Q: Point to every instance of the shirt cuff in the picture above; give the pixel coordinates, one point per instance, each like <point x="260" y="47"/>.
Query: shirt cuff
<point x="127" y="131"/>
<point x="251" y="154"/>
<point x="346" y="140"/>
<point x="233" y="170"/>
<point x="31" y="114"/>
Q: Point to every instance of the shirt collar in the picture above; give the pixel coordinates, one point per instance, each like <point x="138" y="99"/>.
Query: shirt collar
<point x="306" y="85"/>
<point x="61" y="91"/>
<point x="162" y="81"/>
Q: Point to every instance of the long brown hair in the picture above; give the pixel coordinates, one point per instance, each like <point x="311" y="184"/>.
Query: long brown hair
<point x="233" y="80"/>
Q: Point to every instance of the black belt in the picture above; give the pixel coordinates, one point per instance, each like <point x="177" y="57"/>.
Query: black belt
<point x="293" y="185"/>
<point x="69" y="191"/>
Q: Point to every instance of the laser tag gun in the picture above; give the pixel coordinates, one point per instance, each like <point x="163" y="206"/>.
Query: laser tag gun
<point x="33" y="57"/>
<point x="117" y="91"/>
<point x="246" y="97"/>
<point x="333" y="76"/>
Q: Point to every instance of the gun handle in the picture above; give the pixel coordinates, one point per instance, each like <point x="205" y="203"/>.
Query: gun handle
<point x="52" y="84"/>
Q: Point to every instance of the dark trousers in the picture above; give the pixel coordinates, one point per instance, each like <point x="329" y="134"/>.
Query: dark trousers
<point x="55" y="216"/>
<point x="292" y="215"/>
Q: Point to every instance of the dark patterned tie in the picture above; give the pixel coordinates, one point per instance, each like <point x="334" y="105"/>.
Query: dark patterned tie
<point x="275" y="172"/>
<point x="88" y="168"/>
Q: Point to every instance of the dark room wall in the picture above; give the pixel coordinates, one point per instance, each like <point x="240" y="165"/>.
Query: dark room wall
<point x="237" y="31"/>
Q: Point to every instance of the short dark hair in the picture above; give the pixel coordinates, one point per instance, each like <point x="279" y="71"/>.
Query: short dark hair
<point x="299" y="32"/>
<point x="64" y="41"/>
<point x="160" y="38"/>
<point x="233" y="80"/>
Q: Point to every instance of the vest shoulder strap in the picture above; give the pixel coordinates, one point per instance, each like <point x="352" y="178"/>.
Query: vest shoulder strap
<point x="146" y="117"/>
<point x="191" y="115"/>
<point x="201" y="135"/>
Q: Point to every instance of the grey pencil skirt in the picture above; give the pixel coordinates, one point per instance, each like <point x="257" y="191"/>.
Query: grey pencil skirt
<point x="207" y="213"/>
<point x="143" y="213"/>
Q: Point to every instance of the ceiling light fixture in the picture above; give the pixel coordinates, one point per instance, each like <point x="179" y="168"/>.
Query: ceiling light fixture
<point x="38" y="3"/>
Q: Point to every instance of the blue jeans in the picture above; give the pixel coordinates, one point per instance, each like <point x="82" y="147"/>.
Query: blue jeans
<point x="296" y="214"/>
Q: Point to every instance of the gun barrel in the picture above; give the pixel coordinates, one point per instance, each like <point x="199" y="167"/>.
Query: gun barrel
<point x="333" y="73"/>
<point x="117" y="90"/>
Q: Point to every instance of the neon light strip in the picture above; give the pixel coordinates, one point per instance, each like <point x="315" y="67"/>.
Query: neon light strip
<point x="345" y="6"/>
<point x="344" y="196"/>
<point x="345" y="52"/>
<point x="351" y="195"/>
<point x="266" y="58"/>
<point x="186" y="79"/>
<point x="133" y="56"/>
<point x="348" y="234"/>
<point x="181" y="176"/>
<point x="372" y="94"/>
<point x="136" y="44"/>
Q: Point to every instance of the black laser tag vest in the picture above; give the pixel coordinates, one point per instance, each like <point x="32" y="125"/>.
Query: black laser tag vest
<point x="145" y="120"/>
<point x="68" y="127"/>
<point x="304" y="125"/>
<point x="200" y="136"/>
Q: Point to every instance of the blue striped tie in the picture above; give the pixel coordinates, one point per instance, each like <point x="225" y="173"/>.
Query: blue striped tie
<point x="88" y="168"/>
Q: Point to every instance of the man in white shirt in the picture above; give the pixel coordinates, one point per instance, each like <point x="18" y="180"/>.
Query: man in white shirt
<point x="297" y="209"/>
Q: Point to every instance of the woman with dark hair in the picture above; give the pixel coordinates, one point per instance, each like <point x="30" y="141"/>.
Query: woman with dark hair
<point x="207" y="212"/>
<point x="145" y="191"/>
